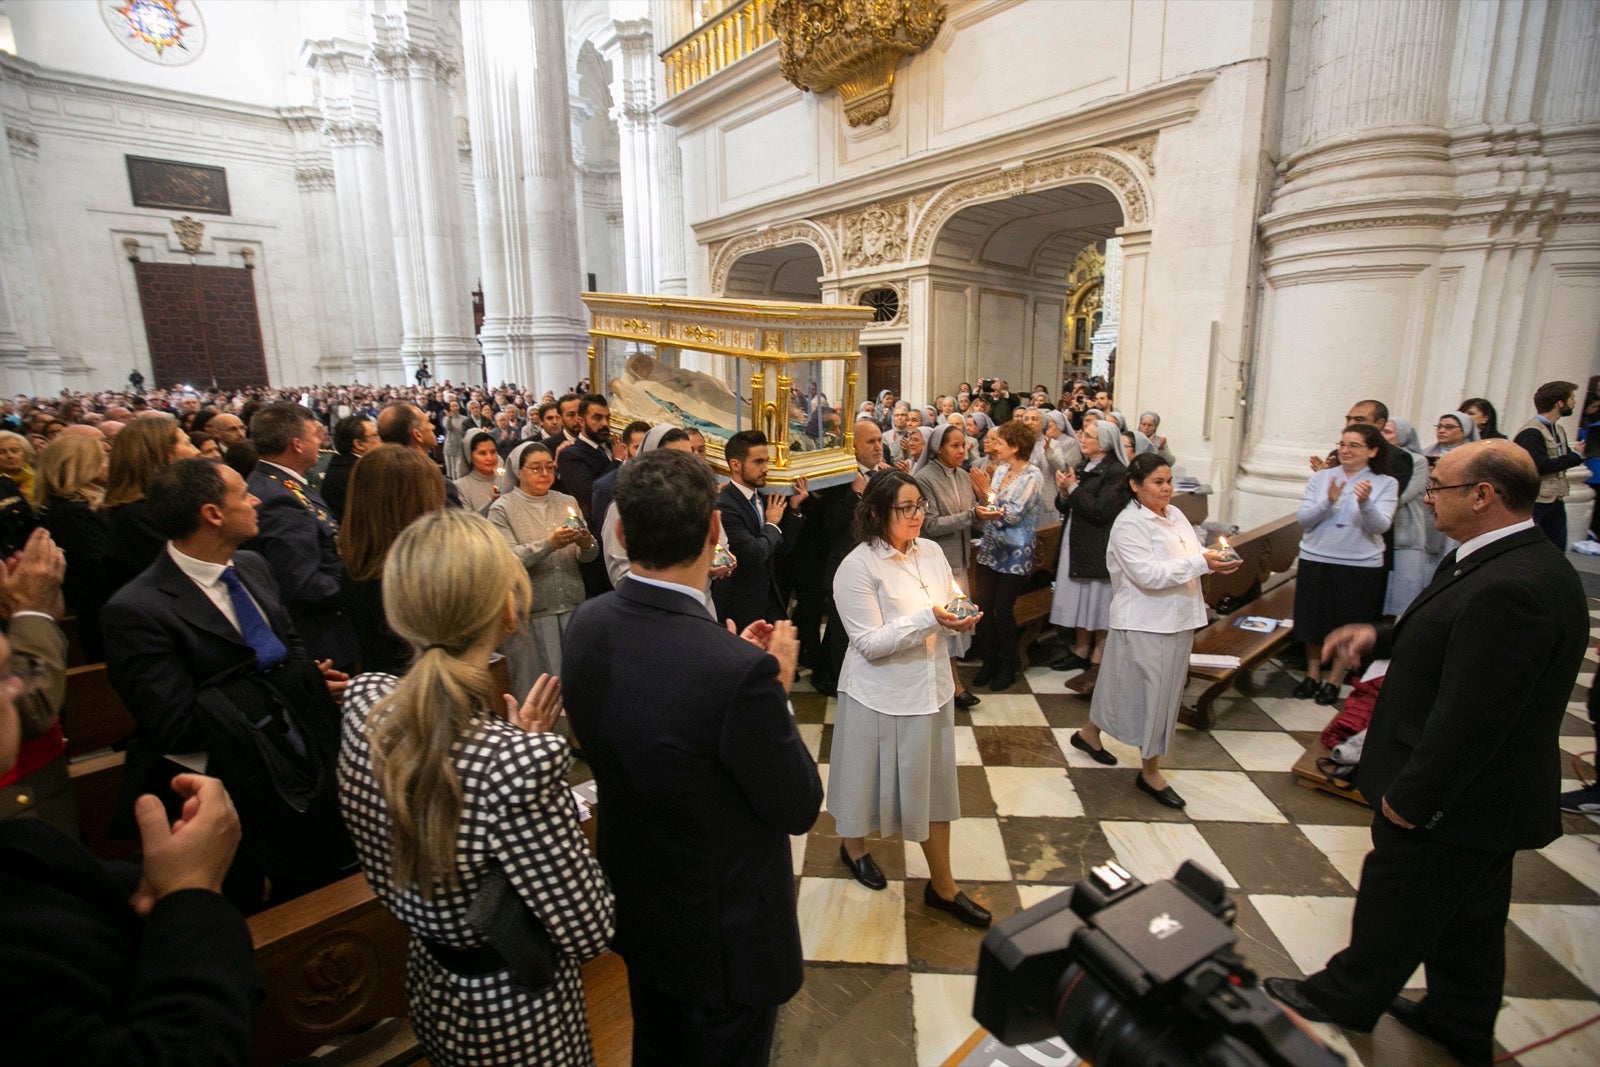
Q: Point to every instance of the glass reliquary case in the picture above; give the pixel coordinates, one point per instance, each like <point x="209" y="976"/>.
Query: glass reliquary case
<point x="720" y="366"/>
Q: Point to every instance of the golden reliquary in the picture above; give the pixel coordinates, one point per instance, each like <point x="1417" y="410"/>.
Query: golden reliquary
<point x="720" y="366"/>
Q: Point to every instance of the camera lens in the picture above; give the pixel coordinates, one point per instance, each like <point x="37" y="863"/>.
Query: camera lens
<point x="1106" y="1033"/>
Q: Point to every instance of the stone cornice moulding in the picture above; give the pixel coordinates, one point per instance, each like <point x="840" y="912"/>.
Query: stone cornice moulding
<point x="32" y="76"/>
<point x="1101" y="126"/>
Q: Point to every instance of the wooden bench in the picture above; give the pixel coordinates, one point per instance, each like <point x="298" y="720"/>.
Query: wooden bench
<point x="1310" y="776"/>
<point x="94" y="716"/>
<point x="69" y="629"/>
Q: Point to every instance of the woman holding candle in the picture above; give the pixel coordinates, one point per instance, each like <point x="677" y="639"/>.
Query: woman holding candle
<point x="1343" y="515"/>
<point x="478" y="486"/>
<point x="952" y="495"/>
<point x="547" y="535"/>
<point x="1090" y="498"/>
<point x="894" y="762"/>
<point x="1155" y="562"/>
<point x="1010" y="516"/>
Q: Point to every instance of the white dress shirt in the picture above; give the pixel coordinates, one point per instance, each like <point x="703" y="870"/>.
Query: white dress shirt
<point x="898" y="660"/>
<point x="1472" y="544"/>
<point x="208" y="576"/>
<point x="1155" y="563"/>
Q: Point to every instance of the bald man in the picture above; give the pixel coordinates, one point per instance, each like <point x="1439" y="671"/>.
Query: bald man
<point x="93" y="433"/>
<point x="227" y="428"/>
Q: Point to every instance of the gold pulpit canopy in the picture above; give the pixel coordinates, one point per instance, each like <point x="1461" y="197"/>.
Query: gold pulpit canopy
<point x="783" y="364"/>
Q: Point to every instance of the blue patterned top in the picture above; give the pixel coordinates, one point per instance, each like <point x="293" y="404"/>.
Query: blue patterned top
<point x="1007" y="545"/>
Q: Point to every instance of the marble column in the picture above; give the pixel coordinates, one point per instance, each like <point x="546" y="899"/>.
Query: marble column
<point x="1352" y="238"/>
<point x="314" y="175"/>
<point x="1104" y="341"/>
<point x="413" y="57"/>
<point x="361" y="200"/>
<point x="671" y="265"/>
<point x="517" y="107"/>
<point x="631" y="53"/>
<point x="29" y="362"/>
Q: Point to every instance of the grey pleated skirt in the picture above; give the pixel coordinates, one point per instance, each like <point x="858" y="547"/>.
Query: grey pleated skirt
<point x="1140" y="685"/>
<point x="892" y="774"/>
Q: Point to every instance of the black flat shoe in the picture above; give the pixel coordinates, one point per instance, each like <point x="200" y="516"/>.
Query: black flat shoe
<point x="962" y="907"/>
<point x="1002" y="682"/>
<point x="1307" y="688"/>
<point x="984" y="676"/>
<point x="966" y="700"/>
<point x="1414" y="1017"/>
<point x="865" y="870"/>
<point x="1166" y="795"/>
<point x="1071" y="662"/>
<point x="1328" y="695"/>
<point x="1287" y="991"/>
<point x="1099" y="755"/>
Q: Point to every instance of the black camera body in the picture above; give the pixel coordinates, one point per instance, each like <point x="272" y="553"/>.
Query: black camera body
<point x="1128" y="973"/>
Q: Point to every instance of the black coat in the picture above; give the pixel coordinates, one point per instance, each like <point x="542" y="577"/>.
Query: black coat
<point x="84" y="536"/>
<point x="336" y="481"/>
<point x="300" y="541"/>
<point x="135" y="541"/>
<point x="705" y="778"/>
<point x="84" y="980"/>
<point x="751" y="591"/>
<point x="578" y="466"/>
<point x="1100" y="497"/>
<point x="1463" y="736"/>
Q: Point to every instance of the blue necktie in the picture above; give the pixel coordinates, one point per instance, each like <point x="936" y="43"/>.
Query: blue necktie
<point x="761" y="516"/>
<point x="270" y="651"/>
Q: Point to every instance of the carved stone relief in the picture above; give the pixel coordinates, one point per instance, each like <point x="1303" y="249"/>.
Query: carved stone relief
<point x="190" y="234"/>
<point x="875" y="235"/>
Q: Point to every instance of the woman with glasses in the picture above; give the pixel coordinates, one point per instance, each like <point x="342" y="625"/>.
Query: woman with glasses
<point x="1454" y="429"/>
<point x="1010" y="517"/>
<point x="1415" y="536"/>
<point x="537" y="522"/>
<point x="1343" y="515"/>
<point x="894" y="761"/>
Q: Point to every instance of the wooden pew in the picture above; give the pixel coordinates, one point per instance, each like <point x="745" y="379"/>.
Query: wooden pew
<point x="75" y="653"/>
<point x="96" y="783"/>
<point x="94" y="716"/>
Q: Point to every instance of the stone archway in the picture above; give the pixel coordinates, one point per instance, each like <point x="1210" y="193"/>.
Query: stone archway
<point x="802" y="231"/>
<point x="790" y="272"/>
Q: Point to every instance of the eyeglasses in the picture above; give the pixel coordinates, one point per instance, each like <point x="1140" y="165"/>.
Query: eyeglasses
<point x="25" y="673"/>
<point x="539" y="468"/>
<point x="1433" y="489"/>
<point x="1448" y="426"/>
<point x="906" y="511"/>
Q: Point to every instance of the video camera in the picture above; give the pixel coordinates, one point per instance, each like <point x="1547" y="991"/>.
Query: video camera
<point x="1129" y="974"/>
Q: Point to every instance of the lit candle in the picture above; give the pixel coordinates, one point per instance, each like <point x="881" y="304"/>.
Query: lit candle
<point x="574" y="520"/>
<point x="1225" y="550"/>
<point x="991" y="500"/>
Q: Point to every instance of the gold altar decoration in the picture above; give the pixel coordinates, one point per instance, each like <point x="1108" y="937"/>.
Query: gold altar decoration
<point x="853" y="46"/>
<point x="781" y="353"/>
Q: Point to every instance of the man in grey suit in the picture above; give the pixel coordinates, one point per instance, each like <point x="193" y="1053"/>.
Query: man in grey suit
<point x="1460" y="761"/>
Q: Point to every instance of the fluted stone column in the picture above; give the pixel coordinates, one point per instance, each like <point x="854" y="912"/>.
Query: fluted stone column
<point x="348" y="100"/>
<point x="672" y="270"/>
<point x="28" y="357"/>
<point x="412" y="55"/>
<point x="632" y="55"/>
<point x="314" y="175"/>
<point x="534" y="330"/>
<point x="1104" y="341"/>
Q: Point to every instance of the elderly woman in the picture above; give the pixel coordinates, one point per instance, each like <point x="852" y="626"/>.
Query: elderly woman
<point x="1010" y="516"/>
<point x="952" y="496"/>
<point x="1089" y="498"/>
<point x="894" y="760"/>
<point x="1149" y="423"/>
<point x="445" y="789"/>
<point x="1454" y="429"/>
<point x="16" y="461"/>
<point x="479" y="487"/>
<point x="978" y="425"/>
<point x="1343" y="515"/>
<point x="534" y="521"/>
<point x="1156" y="563"/>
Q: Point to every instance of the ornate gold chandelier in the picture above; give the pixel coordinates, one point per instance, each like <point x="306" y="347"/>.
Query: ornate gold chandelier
<point x="853" y="46"/>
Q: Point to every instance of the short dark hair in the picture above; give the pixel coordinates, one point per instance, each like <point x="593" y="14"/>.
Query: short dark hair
<point x="278" y="425"/>
<point x="1550" y="394"/>
<point x="1019" y="435"/>
<point x="347" y="431"/>
<point x="1491" y="424"/>
<point x="871" y="518"/>
<point x="590" y="401"/>
<point x="665" y="499"/>
<point x="1512" y="474"/>
<point x="177" y="493"/>
<point x="635" y="427"/>
<point x="1373" y="438"/>
<point x="672" y="437"/>
<point x="566" y="397"/>
<point x="547" y="407"/>
<point x="1143" y="466"/>
<point x="241" y="456"/>
<point x="740" y="444"/>
<point x="1380" y="410"/>
<point x="398" y="421"/>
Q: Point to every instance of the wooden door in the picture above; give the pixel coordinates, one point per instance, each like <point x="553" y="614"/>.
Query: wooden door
<point x="202" y="326"/>
<point x="883" y="369"/>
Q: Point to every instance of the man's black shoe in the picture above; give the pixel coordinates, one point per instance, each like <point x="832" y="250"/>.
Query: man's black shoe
<point x="865" y="870"/>
<point x="1414" y="1017"/>
<point x="1288" y="991"/>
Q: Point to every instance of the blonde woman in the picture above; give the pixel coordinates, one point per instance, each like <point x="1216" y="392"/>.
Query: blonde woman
<point x="140" y="449"/>
<point x="70" y="486"/>
<point x="441" y="788"/>
<point x="16" y="460"/>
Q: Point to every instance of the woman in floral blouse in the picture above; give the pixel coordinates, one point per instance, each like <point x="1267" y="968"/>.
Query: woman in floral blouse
<point x="1005" y="556"/>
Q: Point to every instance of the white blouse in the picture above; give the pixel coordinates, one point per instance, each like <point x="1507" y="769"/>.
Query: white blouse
<point x="898" y="662"/>
<point x="1156" y="564"/>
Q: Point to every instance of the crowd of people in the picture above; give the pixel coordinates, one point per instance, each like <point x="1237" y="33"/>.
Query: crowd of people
<point x="301" y="595"/>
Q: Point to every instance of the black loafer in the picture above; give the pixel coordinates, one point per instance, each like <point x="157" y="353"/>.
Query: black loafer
<point x="963" y="907"/>
<point x="1071" y="662"/>
<point x="984" y="676"/>
<point x="1166" y="795"/>
<point x="966" y="700"/>
<point x="1099" y="755"/>
<point x="1002" y="682"/>
<point x="1288" y="991"/>
<point x="1307" y="688"/>
<point x="1414" y="1017"/>
<point x="1328" y="695"/>
<point x="865" y="870"/>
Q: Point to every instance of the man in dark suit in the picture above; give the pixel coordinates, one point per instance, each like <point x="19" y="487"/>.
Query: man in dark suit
<point x="402" y="423"/>
<point x="353" y="437"/>
<point x="590" y="456"/>
<point x="704" y="776"/>
<point x="1460" y="760"/>
<point x="298" y="535"/>
<point x="604" y="486"/>
<point x="759" y="529"/>
<point x="200" y="621"/>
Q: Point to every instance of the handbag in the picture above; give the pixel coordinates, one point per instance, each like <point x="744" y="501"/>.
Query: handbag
<point x="512" y="930"/>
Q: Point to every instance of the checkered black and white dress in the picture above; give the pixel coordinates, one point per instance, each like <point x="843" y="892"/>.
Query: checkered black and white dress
<point x="518" y="814"/>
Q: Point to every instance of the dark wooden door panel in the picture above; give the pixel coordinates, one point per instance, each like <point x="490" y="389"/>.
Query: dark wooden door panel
<point x="201" y="324"/>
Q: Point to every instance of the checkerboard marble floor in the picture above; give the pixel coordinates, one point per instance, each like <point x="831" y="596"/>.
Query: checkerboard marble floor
<point x="889" y="981"/>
